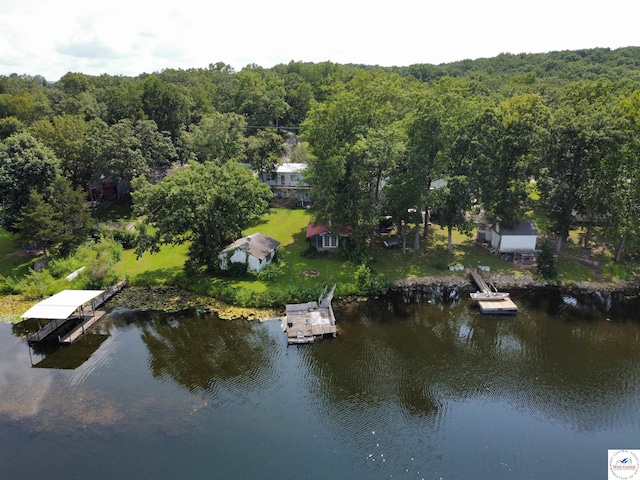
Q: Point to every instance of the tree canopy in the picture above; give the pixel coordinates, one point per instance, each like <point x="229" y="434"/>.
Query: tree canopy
<point x="562" y="123"/>
<point x="207" y="205"/>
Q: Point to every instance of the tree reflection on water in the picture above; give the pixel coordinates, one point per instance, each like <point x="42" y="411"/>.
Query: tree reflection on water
<point x="200" y="352"/>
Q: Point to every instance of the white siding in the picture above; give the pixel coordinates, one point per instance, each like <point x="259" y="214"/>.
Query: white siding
<point x="511" y="243"/>
<point x="240" y="256"/>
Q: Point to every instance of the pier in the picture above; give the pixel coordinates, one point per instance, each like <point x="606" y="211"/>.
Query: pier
<point x="489" y="300"/>
<point x="69" y="314"/>
<point x="305" y="322"/>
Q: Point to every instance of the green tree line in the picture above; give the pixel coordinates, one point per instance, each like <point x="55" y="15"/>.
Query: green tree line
<point x="564" y="123"/>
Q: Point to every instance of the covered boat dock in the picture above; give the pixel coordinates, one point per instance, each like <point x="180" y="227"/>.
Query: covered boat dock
<point x="70" y="311"/>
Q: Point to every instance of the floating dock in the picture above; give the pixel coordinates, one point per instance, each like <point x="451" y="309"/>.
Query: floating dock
<point x="305" y="322"/>
<point x="498" y="305"/>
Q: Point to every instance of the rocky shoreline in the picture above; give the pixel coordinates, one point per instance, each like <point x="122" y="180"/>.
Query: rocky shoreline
<point x="168" y="298"/>
<point x="516" y="282"/>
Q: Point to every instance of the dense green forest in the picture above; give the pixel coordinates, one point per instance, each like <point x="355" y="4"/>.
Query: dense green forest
<point x="557" y="132"/>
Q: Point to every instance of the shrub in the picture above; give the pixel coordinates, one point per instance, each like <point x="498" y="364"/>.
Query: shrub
<point x="312" y="252"/>
<point x="547" y="266"/>
<point x="367" y="283"/>
<point x="270" y="272"/>
<point x="124" y="237"/>
<point x="616" y="270"/>
<point x="8" y="286"/>
<point x="441" y="265"/>
<point x="36" y="285"/>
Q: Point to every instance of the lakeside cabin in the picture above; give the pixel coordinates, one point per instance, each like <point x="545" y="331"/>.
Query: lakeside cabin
<point x="304" y="322"/>
<point x="325" y="239"/>
<point x="256" y="251"/>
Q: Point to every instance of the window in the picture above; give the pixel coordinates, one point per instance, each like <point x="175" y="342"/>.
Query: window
<point x="330" y="241"/>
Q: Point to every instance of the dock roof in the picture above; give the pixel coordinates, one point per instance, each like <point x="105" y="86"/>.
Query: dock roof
<point x="61" y="305"/>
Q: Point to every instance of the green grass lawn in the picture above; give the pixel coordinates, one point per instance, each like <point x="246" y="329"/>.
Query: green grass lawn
<point x="14" y="262"/>
<point x="289" y="228"/>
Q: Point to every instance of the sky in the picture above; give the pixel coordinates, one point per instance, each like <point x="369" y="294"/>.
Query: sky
<point x="131" y="37"/>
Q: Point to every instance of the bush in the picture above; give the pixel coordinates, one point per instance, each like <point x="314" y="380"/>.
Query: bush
<point x="124" y="237"/>
<point x="36" y="285"/>
<point x="367" y="283"/>
<point x="8" y="286"/>
<point x="616" y="270"/>
<point x="61" y="267"/>
<point x="547" y="266"/>
<point x="441" y="265"/>
<point x="100" y="260"/>
<point x="312" y="252"/>
<point x="270" y="272"/>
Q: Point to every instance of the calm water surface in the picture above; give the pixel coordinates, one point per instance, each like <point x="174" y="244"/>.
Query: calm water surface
<point x="411" y="388"/>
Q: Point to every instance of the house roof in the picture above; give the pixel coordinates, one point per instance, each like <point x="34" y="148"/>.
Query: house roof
<point x="523" y="227"/>
<point x="291" y="167"/>
<point x="61" y="305"/>
<point x="257" y="244"/>
<point x="318" y="229"/>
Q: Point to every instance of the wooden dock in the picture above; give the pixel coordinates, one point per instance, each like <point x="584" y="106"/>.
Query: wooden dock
<point x="78" y="322"/>
<point x="89" y="319"/>
<point x="497" y="306"/>
<point x="47" y="330"/>
<point x="305" y="322"/>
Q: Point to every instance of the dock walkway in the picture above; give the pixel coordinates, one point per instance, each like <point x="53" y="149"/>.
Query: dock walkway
<point x="89" y="319"/>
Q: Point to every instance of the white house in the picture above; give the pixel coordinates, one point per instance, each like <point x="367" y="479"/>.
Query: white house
<point x="287" y="181"/>
<point x="256" y="251"/>
<point x="522" y="236"/>
<point x="325" y="240"/>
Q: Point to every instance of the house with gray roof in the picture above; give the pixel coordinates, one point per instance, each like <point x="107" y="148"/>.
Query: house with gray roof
<point x="255" y="250"/>
<point x="518" y="237"/>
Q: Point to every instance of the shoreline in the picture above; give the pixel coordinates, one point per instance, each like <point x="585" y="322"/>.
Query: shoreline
<point x="173" y="299"/>
<point x="145" y="298"/>
<point x="517" y="282"/>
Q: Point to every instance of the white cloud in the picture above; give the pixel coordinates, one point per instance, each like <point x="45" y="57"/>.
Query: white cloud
<point x="131" y="37"/>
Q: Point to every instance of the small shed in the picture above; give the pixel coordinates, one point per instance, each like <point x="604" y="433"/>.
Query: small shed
<point x="521" y="236"/>
<point x="324" y="239"/>
<point x="256" y="251"/>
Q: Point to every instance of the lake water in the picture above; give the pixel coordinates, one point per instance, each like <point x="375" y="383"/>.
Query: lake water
<point x="415" y="387"/>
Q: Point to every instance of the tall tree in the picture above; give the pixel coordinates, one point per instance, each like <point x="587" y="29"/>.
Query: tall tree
<point x="259" y="96"/>
<point x="218" y="136"/>
<point x="58" y="223"/>
<point x="69" y="137"/>
<point x="206" y="205"/>
<point x="621" y="207"/>
<point x="499" y="151"/>
<point x="71" y="210"/>
<point x="166" y="104"/>
<point x="264" y="151"/>
<point x="585" y="132"/>
<point x="454" y="201"/>
<point x="38" y="223"/>
<point x="355" y="140"/>
<point x="25" y="165"/>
